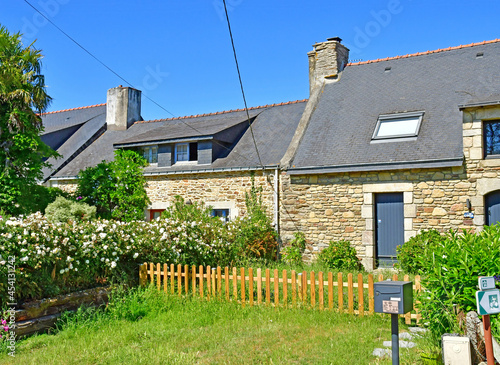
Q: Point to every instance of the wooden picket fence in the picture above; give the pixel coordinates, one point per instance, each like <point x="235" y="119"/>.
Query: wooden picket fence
<point x="291" y="289"/>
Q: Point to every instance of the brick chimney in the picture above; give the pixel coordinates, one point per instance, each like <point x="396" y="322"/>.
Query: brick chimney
<point x="326" y="61"/>
<point x="123" y="108"/>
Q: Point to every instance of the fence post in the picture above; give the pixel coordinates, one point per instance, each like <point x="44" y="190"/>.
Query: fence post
<point x="242" y="286"/>
<point x="235" y="284"/>
<point x="361" y="304"/>
<point x="165" y="277"/>
<point x="193" y="283"/>
<point x="219" y="281"/>
<point x="250" y="286"/>
<point x="418" y="288"/>
<point x="158" y="276"/>
<point x="268" y="287"/>
<point x="350" y="294"/>
<point x="200" y="270"/>
<point x="408" y="315"/>
<point x="186" y="279"/>
<point x="259" y="286"/>
<point x="226" y="282"/>
<point x="143" y="274"/>
<point x="371" y="295"/>
<point x="320" y="290"/>
<point x="340" y="289"/>
<point x="151" y="273"/>
<point x="179" y="279"/>
<point x="276" y="288"/>
<point x="304" y="287"/>
<point x="172" y="273"/>
<point x="313" y="290"/>
<point x="330" y="290"/>
<point x="294" y="289"/>
<point x="285" y="289"/>
<point x="209" y="279"/>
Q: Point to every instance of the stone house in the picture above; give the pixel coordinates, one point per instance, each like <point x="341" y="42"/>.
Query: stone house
<point x="389" y="147"/>
<point x="209" y="158"/>
<point x="381" y="149"/>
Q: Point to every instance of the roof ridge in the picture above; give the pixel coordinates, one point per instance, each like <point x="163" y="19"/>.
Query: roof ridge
<point x="67" y="110"/>
<point x="220" y="112"/>
<point x="424" y="53"/>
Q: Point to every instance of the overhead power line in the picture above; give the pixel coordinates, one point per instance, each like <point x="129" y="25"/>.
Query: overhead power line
<point x="275" y="188"/>
<point x="129" y="83"/>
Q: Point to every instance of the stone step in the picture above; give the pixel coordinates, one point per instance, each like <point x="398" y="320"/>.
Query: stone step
<point x="402" y="344"/>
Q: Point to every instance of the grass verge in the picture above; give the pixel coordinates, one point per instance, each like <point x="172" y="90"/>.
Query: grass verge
<point x="146" y="326"/>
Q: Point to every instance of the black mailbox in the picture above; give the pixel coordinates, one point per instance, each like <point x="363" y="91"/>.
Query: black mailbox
<point x="394" y="297"/>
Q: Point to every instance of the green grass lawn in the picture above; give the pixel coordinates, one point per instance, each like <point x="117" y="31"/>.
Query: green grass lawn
<point x="152" y="328"/>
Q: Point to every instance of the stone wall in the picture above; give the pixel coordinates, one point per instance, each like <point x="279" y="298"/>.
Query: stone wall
<point x="340" y="206"/>
<point x="225" y="190"/>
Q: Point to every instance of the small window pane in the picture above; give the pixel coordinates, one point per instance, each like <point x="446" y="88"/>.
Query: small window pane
<point x="222" y="213"/>
<point x="150" y="154"/>
<point x="182" y="152"/>
<point x="492" y="138"/>
<point x="398" y="127"/>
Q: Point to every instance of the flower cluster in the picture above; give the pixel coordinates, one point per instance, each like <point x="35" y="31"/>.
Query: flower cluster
<point x="56" y="257"/>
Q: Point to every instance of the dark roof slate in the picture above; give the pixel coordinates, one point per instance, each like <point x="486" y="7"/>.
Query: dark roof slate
<point x="90" y="121"/>
<point x="273" y="129"/>
<point x="339" y="134"/>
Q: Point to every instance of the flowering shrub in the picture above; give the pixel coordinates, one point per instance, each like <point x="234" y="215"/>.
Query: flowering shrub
<point x="54" y="258"/>
<point x="412" y="255"/>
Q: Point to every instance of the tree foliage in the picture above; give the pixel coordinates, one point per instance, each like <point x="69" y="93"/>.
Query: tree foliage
<point x="116" y="188"/>
<point x="22" y="99"/>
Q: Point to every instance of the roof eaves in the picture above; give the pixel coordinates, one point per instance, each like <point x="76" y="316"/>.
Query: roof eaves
<point x="381" y="166"/>
<point x="162" y="141"/>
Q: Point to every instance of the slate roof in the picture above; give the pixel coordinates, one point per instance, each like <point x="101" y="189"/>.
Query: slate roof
<point x="339" y="135"/>
<point x="195" y="127"/>
<point x="86" y="123"/>
<point x="273" y="128"/>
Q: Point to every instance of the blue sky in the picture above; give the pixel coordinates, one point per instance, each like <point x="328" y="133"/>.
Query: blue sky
<point x="178" y="52"/>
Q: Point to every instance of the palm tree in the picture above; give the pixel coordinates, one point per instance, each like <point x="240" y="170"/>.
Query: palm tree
<point x="22" y="99"/>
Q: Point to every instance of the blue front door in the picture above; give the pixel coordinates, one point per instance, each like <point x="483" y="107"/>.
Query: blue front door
<point x="389" y="227"/>
<point x="492" y="201"/>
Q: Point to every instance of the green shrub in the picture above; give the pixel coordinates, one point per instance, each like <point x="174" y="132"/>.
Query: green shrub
<point x="254" y="235"/>
<point x="340" y="255"/>
<point x="412" y="255"/>
<point x="292" y="253"/>
<point x="451" y="275"/>
<point x="64" y="210"/>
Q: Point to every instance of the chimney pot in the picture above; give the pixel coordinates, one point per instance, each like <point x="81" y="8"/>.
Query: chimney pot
<point x="337" y="39"/>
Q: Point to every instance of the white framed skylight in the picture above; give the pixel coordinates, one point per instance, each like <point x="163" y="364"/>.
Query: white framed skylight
<point x="400" y="125"/>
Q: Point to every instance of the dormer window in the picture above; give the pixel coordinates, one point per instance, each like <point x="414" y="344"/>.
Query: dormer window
<point x="185" y="152"/>
<point x="150" y="153"/>
<point x="401" y="125"/>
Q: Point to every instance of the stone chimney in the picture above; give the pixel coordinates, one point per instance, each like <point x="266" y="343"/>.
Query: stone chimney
<point x="326" y="61"/>
<point x="123" y="108"/>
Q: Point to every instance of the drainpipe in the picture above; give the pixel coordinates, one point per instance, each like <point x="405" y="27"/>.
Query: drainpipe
<point x="276" y="207"/>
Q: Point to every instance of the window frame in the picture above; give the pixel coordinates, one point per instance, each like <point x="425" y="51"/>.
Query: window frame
<point x="177" y="154"/>
<point x="152" y="158"/>
<point x="486" y="155"/>
<point x="226" y="217"/>
<point x="388" y="117"/>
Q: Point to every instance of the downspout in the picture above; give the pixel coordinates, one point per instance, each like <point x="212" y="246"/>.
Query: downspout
<point x="276" y="209"/>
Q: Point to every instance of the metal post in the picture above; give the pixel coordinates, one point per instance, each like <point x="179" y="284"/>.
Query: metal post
<point x="487" y="340"/>
<point x="395" y="339"/>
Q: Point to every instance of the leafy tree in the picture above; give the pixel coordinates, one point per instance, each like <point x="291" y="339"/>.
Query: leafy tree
<point x="22" y="99"/>
<point x="116" y="188"/>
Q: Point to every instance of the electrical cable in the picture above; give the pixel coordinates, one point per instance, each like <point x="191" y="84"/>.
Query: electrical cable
<point x="275" y="189"/>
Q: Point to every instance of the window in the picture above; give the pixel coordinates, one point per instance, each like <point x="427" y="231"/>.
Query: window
<point x="223" y="213"/>
<point x="185" y="152"/>
<point x="491" y="132"/>
<point x="398" y="125"/>
<point x="155" y="213"/>
<point x="150" y="153"/>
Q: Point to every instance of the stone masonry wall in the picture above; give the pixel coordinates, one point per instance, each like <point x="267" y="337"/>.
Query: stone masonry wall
<point x="220" y="190"/>
<point x="340" y="206"/>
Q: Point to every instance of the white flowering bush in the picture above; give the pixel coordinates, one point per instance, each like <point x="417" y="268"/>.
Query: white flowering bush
<point x="53" y="258"/>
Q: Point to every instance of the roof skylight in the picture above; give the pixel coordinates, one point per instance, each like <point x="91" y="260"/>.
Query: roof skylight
<point x="399" y="125"/>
